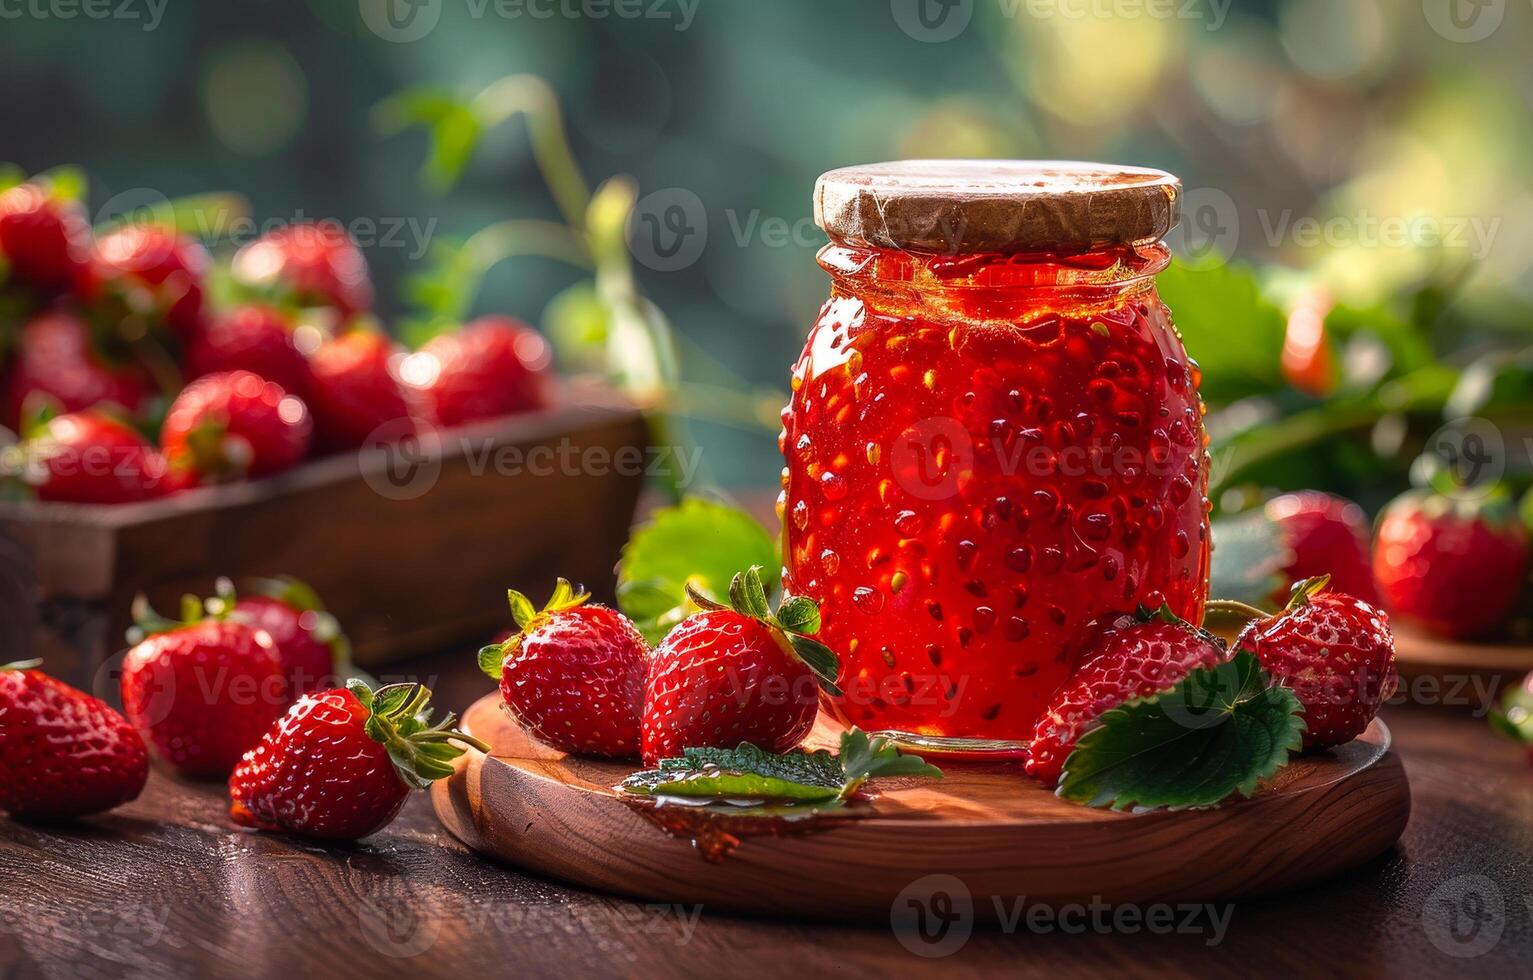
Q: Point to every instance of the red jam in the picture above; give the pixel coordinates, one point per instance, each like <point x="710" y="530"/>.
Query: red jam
<point x="984" y="453"/>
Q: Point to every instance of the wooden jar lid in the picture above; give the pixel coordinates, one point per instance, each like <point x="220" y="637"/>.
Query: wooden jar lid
<point x="954" y="206"/>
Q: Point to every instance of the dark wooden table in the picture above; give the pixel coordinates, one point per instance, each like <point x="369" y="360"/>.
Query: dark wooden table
<point x="166" y="887"/>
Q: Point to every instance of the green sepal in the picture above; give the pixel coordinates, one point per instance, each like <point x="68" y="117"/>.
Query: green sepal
<point x="749" y="772"/>
<point x="820" y="660"/>
<point x="147" y="622"/>
<point x="1306" y="590"/>
<point x="747" y="597"/>
<point x="31" y="664"/>
<point x="1513" y="717"/>
<point x="399" y="719"/>
<point x="1220" y="731"/>
<point x="565" y="597"/>
<point x="799" y="614"/>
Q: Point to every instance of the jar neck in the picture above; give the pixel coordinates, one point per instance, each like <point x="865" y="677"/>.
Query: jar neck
<point x="1107" y="276"/>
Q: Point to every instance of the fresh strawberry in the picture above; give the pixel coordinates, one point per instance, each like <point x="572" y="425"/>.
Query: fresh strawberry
<point x="355" y="391"/>
<point x="91" y="457"/>
<point x="42" y="239"/>
<point x="737" y="673"/>
<point x="236" y="424"/>
<point x="314" y="650"/>
<point x="63" y="753"/>
<point x="340" y="764"/>
<point x="1326" y="535"/>
<point x="1123" y="658"/>
<point x="1452" y="564"/>
<point x="494" y="366"/>
<point x="202" y="691"/>
<point x="56" y="359"/>
<point x="308" y="264"/>
<point x="573" y="675"/>
<point x="1335" y="652"/>
<point x="152" y="269"/>
<point x="259" y="339"/>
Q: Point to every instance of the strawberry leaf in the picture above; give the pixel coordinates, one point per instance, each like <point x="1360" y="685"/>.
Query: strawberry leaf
<point x="751" y="773"/>
<point x="820" y="659"/>
<point x="1220" y="731"/>
<point x="1248" y="559"/>
<point x="699" y="541"/>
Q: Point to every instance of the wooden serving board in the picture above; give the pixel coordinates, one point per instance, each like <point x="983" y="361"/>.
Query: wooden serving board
<point x="998" y="832"/>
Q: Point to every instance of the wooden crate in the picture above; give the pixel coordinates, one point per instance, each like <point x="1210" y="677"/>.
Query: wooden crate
<point x="412" y="552"/>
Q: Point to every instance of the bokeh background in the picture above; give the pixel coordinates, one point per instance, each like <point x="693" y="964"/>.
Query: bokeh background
<point x="1363" y="158"/>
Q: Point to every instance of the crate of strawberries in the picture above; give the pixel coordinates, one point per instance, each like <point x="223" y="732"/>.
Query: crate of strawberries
<point x="169" y="412"/>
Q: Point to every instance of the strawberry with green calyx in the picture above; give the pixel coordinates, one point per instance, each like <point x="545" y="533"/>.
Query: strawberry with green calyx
<point x="85" y="457"/>
<point x="737" y="673"/>
<point x="341" y="763"/>
<point x="315" y="652"/>
<point x="1124" y="658"/>
<point x="63" y="753"/>
<point x="1221" y="730"/>
<point x="1333" y="650"/>
<point x="1452" y="562"/>
<point x="573" y="674"/>
<point x="201" y="690"/>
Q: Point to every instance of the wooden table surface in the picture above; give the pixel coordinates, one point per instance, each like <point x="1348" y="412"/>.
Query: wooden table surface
<point x="166" y="887"/>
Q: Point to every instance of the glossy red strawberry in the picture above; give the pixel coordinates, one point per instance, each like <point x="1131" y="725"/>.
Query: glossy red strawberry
<point x="259" y="339"/>
<point x="201" y="692"/>
<point x="1326" y="535"/>
<point x="236" y="424"/>
<point x="314" y="651"/>
<point x="152" y="269"/>
<point x="340" y="763"/>
<point x="56" y="360"/>
<point x="355" y="394"/>
<point x="1451" y="564"/>
<point x="737" y="673"/>
<point x="1122" y="659"/>
<point x="494" y="366"/>
<point x="43" y="239"/>
<point x="1335" y="652"/>
<point x="308" y="264"/>
<point x="573" y="675"/>
<point x="63" y="753"/>
<point x="91" y="457"/>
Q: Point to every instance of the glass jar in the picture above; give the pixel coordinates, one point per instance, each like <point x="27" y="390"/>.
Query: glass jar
<point x="995" y="437"/>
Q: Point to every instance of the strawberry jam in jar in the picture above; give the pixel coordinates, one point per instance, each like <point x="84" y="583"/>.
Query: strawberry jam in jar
<point x="994" y="438"/>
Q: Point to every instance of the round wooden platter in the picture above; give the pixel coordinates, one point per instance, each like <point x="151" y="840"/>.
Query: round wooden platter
<point x="1000" y="833"/>
<point x="1466" y="673"/>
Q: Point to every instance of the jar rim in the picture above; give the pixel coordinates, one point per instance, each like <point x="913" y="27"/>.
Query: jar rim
<point x="1112" y="267"/>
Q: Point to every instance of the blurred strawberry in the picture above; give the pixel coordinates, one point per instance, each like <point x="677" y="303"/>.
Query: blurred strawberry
<point x="151" y="261"/>
<point x="236" y="424"/>
<point x="355" y="391"/>
<point x="1307" y="361"/>
<point x="56" y="358"/>
<point x="260" y="339"/>
<point x="1452" y="564"/>
<point x="494" y="366"/>
<point x="308" y="264"/>
<point x="1326" y="535"/>
<point x="314" y="650"/>
<point x="43" y="238"/>
<point x="90" y="457"/>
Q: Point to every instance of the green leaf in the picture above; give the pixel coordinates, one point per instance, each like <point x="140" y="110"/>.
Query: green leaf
<point x="450" y="122"/>
<point x="751" y="773"/>
<point x="1222" y="730"/>
<point x="820" y="659"/>
<point x="700" y="540"/>
<point x="1249" y="557"/>
<point x="492" y="660"/>
<point x="799" y="614"/>
<point x="1235" y="332"/>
